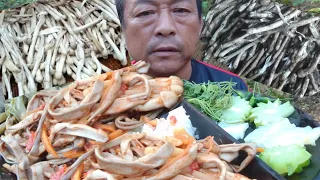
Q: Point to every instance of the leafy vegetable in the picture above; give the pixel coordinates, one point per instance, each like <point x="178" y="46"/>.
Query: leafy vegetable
<point x="211" y="98"/>
<point x="238" y="112"/>
<point x="266" y="113"/>
<point x="3" y="117"/>
<point x="16" y="107"/>
<point x="286" y="160"/>
<point x="278" y="138"/>
<point x="2" y="128"/>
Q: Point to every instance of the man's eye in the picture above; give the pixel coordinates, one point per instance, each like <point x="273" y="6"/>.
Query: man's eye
<point x="144" y="13"/>
<point x="181" y="10"/>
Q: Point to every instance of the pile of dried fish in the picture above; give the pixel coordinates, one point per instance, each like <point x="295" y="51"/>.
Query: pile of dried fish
<point x="41" y="43"/>
<point x="265" y="41"/>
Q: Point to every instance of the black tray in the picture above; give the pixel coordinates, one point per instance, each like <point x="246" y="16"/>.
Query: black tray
<point x="257" y="169"/>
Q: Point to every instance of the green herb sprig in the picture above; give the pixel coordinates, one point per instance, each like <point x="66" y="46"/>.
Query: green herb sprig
<point x="211" y="98"/>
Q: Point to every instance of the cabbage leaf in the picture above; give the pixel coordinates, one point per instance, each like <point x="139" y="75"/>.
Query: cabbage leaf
<point x="286" y="160"/>
<point x="283" y="134"/>
<point x="270" y="112"/>
<point x="238" y="112"/>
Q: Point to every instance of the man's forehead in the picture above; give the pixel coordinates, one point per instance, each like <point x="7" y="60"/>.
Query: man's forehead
<point x="156" y="2"/>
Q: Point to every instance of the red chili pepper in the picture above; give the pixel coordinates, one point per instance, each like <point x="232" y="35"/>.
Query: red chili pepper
<point x="194" y="166"/>
<point x="87" y="146"/>
<point x="124" y="87"/>
<point x="173" y="120"/>
<point x="58" y="174"/>
<point x="42" y="106"/>
<point x="30" y="141"/>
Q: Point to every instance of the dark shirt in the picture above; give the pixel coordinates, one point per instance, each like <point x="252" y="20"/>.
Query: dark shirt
<point x="202" y="72"/>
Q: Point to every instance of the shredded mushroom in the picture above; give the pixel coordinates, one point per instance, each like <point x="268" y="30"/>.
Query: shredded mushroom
<point x="70" y="126"/>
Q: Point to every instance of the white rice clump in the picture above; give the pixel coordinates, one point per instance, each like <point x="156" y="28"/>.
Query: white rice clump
<point x="165" y="128"/>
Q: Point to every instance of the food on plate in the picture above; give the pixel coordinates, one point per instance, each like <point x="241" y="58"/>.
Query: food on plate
<point x="222" y="103"/>
<point x="266" y="113"/>
<point x="211" y="98"/>
<point x="237" y="131"/>
<point x="166" y="151"/>
<point x="90" y="130"/>
<point x="238" y="112"/>
<point x="286" y="160"/>
<point x="138" y="156"/>
<point x="177" y="119"/>
<point x="283" y="133"/>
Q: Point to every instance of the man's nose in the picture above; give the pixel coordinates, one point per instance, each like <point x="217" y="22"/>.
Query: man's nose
<point x="165" y="25"/>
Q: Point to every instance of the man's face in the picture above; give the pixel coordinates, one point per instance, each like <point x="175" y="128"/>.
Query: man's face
<point x="164" y="33"/>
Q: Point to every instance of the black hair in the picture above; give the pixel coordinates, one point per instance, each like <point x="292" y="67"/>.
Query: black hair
<point x="120" y="9"/>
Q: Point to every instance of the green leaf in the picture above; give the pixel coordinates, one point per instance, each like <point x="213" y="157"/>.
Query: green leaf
<point x="210" y="98"/>
<point x="16" y="107"/>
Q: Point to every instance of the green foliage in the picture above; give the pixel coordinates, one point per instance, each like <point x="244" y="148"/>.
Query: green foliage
<point x="211" y="98"/>
<point x="205" y="8"/>
<point x="297" y="2"/>
<point x="9" y="4"/>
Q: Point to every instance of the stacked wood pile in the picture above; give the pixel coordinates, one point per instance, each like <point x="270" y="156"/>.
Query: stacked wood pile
<point x="271" y="43"/>
<point x="44" y="43"/>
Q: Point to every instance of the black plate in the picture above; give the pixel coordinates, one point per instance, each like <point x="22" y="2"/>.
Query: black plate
<point x="4" y="173"/>
<point x="257" y="169"/>
<point x="299" y="118"/>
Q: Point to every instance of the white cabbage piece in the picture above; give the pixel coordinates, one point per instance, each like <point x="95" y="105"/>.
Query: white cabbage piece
<point x="238" y="112"/>
<point x="271" y="112"/>
<point x="283" y="133"/>
<point x="237" y="131"/>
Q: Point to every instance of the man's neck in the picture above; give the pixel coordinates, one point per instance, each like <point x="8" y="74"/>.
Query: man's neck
<point x="185" y="72"/>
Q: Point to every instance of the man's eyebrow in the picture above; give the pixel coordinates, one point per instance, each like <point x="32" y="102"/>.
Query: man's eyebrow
<point x="176" y="1"/>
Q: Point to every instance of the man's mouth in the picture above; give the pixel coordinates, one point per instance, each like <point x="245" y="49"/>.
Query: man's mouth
<point x="165" y="51"/>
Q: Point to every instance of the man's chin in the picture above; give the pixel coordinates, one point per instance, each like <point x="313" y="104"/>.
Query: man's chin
<point x="164" y="67"/>
<point x="159" y="72"/>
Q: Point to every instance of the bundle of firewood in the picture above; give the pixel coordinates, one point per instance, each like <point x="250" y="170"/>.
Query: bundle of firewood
<point x="43" y="43"/>
<point x="268" y="42"/>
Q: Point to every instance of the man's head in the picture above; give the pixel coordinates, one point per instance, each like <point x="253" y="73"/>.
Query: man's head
<point x="164" y="33"/>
